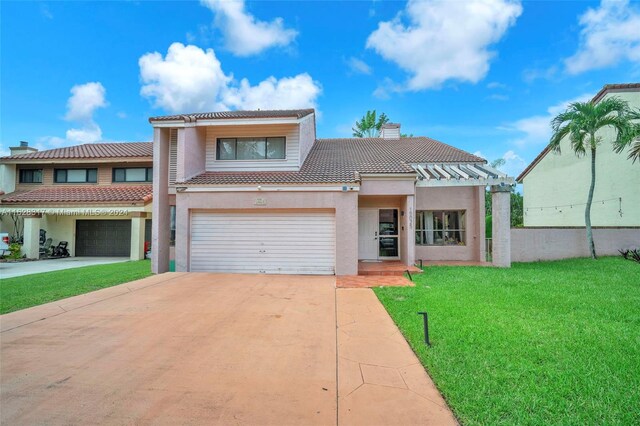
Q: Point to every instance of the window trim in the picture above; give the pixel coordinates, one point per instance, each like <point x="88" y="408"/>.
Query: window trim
<point x="66" y="176"/>
<point x="235" y="150"/>
<point x="20" y="176"/>
<point x="148" y="175"/>
<point x="443" y="230"/>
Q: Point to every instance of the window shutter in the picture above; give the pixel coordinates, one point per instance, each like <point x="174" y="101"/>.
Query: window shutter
<point x="173" y="155"/>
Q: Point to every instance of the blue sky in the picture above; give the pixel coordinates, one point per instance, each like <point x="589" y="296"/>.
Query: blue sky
<point x="482" y="75"/>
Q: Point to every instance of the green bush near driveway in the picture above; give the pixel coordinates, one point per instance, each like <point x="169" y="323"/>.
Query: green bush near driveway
<point x="540" y="343"/>
<point x="31" y="290"/>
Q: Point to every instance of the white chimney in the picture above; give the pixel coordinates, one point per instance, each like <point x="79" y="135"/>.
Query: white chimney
<point x="24" y="148"/>
<point x="390" y="131"/>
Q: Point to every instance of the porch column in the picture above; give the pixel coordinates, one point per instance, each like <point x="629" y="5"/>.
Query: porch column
<point x="347" y="233"/>
<point x="31" y="236"/>
<point x="160" y="231"/>
<point x="408" y="233"/>
<point x="138" y="220"/>
<point x="501" y="224"/>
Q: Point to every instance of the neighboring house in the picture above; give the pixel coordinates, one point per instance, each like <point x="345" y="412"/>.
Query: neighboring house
<point x="256" y="192"/>
<point x="97" y="197"/>
<point x="555" y="186"/>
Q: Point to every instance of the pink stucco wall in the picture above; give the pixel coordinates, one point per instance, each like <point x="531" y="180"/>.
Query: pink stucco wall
<point x="469" y="198"/>
<point x="533" y="244"/>
<point x="192" y="145"/>
<point x="345" y="205"/>
<point x="387" y="187"/>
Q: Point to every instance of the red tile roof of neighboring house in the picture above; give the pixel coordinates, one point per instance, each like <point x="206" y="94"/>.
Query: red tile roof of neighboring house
<point x="142" y="150"/>
<point x="605" y="89"/>
<point x="226" y="115"/>
<point x="343" y="160"/>
<point x="82" y="194"/>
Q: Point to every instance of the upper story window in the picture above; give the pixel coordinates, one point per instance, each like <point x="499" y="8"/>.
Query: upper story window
<point x="75" y="175"/>
<point x="133" y="174"/>
<point x="31" y="176"/>
<point x="441" y="228"/>
<point x="271" y="148"/>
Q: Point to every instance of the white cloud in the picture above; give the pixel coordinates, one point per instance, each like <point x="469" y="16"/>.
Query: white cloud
<point x="513" y="164"/>
<point x="536" y="130"/>
<point x="121" y="114"/>
<point x="610" y="34"/>
<point x="87" y="134"/>
<point x="190" y="79"/>
<point x="84" y="100"/>
<point x="286" y="93"/>
<point x="444" y="40"/>
<point x="244" y="35"/>
<point x="358" y="66"/>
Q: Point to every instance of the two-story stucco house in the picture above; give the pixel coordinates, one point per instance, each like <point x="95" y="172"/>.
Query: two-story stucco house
<point x="555" y="186"/>
<point x="97" y="197"/>
<point x="256" y="192"/>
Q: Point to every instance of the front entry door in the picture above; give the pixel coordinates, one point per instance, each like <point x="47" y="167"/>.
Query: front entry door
<point x="368" y="234"/>
<point x="378" y="234"/>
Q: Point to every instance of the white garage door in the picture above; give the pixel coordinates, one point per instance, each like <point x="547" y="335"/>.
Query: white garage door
<point x="271" y="243"/>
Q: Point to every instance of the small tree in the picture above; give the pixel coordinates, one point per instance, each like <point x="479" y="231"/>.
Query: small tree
<point x="370" y="124"/>
<point x="581" y="122"/>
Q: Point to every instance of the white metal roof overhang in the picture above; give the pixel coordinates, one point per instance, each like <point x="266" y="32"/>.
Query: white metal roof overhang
<point x="460" y="174"/>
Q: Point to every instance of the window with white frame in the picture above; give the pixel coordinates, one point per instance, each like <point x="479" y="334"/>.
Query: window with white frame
<point x="248" y="149"/>
<point x="441" y="227"/>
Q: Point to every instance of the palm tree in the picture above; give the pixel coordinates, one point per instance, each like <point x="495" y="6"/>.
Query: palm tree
<point x="369" y="126"/>
<point x="632" y="140"/>
<point x="581" y="122"/>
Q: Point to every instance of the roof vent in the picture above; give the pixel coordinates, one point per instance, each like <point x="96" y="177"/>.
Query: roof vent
<point x="23" y="144"/>
<point x="390" y="131"/>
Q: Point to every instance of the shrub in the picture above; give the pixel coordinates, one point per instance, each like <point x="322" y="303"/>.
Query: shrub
<point x="15" y="250"/>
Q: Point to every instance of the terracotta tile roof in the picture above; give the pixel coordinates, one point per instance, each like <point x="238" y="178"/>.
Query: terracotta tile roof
<point x="222" y="115"/>
<point x="81" y="194"/>
<point x="143" y="150"/>
<point x="605" y="89"/>
<point x="343" y="160"/>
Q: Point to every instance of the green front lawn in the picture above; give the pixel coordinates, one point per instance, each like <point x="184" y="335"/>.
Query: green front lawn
<point x="36" y="289"/>
<point x="540" y="343"/>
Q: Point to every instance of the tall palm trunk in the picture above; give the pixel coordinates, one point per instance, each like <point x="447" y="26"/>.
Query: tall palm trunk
<point x="587" y="210"/>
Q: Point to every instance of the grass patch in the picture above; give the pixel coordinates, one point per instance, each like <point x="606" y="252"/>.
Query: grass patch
<point x="31" y="290"/>
<point x="540" y="343"/>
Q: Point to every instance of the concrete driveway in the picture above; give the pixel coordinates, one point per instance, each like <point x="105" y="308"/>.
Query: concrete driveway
<point x="189" y="348"/>
<point x="18" y="269"/>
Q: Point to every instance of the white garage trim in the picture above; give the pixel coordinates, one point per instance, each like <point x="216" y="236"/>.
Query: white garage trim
<point x="293" y="242"/>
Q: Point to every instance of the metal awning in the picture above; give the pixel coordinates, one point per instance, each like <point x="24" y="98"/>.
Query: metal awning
<point x="460" y="174"/>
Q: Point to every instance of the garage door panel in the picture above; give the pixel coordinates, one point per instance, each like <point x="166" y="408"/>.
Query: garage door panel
<point x="103" y="238"/>
<point x="287" y="243"/>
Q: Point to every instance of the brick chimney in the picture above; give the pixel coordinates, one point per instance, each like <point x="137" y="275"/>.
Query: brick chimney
<point x="390" y="131"/>
<point x="24" y="148"/>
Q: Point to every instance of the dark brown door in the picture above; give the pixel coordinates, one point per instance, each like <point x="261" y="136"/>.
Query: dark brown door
<point x="103" y="238"/>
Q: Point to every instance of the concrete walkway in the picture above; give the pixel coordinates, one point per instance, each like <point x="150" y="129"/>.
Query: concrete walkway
<point x="18" y="269"/>
<point x="195" y="348"/>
